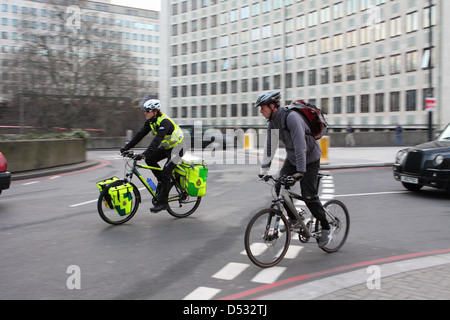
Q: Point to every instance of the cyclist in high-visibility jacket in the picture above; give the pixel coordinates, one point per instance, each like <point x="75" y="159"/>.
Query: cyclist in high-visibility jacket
<point x="168" y="143"/>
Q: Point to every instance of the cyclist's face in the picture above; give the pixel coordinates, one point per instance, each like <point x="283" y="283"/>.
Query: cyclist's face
<point x="149" y="114"/>
<point x="266" y="110"/>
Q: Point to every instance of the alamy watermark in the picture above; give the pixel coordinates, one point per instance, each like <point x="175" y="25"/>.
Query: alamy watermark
<point x="74" y="280"/>
<point x="374" y="280"/>
<point x="373" y="17"/>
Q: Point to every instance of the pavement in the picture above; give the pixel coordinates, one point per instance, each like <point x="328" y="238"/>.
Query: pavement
<point x="417" y="276"/>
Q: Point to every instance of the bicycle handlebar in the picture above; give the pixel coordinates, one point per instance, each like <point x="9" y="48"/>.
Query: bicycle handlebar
<point x="284" y="180"/>
<point x="129" y="154"/>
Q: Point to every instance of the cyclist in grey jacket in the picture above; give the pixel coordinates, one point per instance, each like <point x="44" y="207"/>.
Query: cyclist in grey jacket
<point x="303" y="154"/>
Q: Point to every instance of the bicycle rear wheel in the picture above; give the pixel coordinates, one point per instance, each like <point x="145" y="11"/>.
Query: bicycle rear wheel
<point x="180" y="204"/>
<point x="267" y="238"/>
<point x="339" y="218"/>
<point x="110" y="215"/>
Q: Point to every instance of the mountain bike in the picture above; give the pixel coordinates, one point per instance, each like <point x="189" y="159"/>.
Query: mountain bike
<point x="180" y="203"/>
<point x="268" y="234"/>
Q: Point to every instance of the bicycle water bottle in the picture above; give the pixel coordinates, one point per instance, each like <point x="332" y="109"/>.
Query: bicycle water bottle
<point x="151" y="184"/>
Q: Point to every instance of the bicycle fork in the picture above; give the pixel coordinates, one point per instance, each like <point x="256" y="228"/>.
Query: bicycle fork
<point x="270" y="233"/>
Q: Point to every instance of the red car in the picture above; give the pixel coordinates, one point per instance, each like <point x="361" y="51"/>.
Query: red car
<point x="5" y="177"/>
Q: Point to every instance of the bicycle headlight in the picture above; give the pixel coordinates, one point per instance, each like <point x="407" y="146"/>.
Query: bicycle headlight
<point x="438" y="160"/>
<point x="401" y="155"/>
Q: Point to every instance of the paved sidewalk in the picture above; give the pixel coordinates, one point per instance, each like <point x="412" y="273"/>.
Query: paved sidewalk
<point x="424" y="278"/>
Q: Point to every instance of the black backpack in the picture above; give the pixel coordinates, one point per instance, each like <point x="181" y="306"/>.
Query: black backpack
<point x="313" y="116"/>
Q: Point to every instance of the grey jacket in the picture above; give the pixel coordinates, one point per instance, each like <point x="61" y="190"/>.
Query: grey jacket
<point x="291" y="128"/>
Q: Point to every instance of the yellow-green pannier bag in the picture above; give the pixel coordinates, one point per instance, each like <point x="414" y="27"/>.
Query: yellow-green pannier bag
<point x="193" y="175"/>
<point x="121" y="198"/>
<point x="102" y="185"/>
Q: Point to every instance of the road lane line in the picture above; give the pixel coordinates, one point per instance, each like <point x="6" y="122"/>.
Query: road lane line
<point x="29" y="183"/>
<point x="370" y="194"/>
<point x="230" y="271"/>
<point x="268" y="275"/>
<point x="202" y="293"/>
<point x="82" y="203"/>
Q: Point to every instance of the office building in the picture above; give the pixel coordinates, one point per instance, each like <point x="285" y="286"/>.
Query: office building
<point x="365" y="62"/>
<point x="130" y="30"/>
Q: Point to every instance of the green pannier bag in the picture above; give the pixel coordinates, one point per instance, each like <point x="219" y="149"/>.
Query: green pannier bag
<point x="193" y="175"/>
<point x="102" y="185"/>
<point x="121" y="198"/>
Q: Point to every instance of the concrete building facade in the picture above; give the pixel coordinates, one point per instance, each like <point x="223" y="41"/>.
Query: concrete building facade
<point x="365" y="62"/>
<point x="135" y="31"/>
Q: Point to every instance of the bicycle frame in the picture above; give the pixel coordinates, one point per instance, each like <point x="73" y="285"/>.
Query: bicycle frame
<point x="134" y="171"/>
<point x="285" y="198"/>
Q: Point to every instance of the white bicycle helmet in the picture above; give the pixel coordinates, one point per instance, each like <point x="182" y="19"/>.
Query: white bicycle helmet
<point x="152" y="104"/>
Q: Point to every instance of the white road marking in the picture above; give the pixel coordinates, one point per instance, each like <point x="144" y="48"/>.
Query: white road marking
<point x="202" y="293"/>
<point x="230" y="271"/>
<point x="29" y="183"/>
<point x="268" y="275"/>
<point x="370" y="194"/>
<point x="82" y="203"/>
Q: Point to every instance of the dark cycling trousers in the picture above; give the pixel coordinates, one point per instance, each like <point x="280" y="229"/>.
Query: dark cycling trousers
<point x="163" y="176"/>
<point x="308" y="186"/>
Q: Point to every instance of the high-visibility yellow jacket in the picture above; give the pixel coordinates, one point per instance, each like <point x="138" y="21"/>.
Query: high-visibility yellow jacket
<point x="171" y="140"/>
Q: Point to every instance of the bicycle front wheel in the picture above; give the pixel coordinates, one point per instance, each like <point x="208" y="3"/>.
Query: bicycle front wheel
<point x="267" y="238"/>
<point x="110" y="215"/>
<point x="180" y="204"/>
<point x="339" y="219"/>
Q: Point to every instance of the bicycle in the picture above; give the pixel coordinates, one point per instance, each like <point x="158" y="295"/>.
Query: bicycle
<point x="180" y="203"/>
<point x="268" y="234"/>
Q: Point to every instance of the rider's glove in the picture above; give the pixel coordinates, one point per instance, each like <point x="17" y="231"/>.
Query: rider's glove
<point x="263" y="172"/>
<point x="297" y="176"/>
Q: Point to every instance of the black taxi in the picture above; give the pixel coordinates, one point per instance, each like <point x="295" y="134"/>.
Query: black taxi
<point x="427" y="164"/>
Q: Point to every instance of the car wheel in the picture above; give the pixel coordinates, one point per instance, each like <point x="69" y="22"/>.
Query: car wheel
<point x="412" y="187"/>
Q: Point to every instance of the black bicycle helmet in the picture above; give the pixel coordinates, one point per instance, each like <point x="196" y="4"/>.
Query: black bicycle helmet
<point x="268" y="97"/>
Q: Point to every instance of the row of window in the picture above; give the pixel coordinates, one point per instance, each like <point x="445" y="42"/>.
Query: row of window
<point x="338" y="10"/>
<point x="339" y="41"/>
<point x="54" y="27"/>
<point x="365" y="103"/>
<point x="82" y="15"/>
<point x="410" y="23"/>
<point x="382" y="66"/>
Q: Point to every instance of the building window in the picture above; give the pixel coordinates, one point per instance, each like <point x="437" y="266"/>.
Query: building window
<point x="337" y="105"/>
<point x="351" y="71"/>
<point x="412" y="61"/>
<point x="394" y="102"/>
<point x="396" y="27"/>
<point x="380" y="66"/>
<point x="312" y="77"/>
<point x="324" y="75"/>
<point x="379" y="102"/>
<point x="351" y="104"/>
<point x="337" y="74"/>
<point x="395" y="64"/>
<point x="412" y="22"/>
<point x="300" y="79"/>
<point x="365" y="103"/>
<point x="411" y="100"/>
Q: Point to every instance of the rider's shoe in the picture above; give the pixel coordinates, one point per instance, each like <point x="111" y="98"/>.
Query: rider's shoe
<point x="158" y="207"/>
<point x="325" y="237"/>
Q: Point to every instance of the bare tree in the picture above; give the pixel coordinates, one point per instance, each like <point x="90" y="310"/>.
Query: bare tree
<point x="72" y="71"/>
